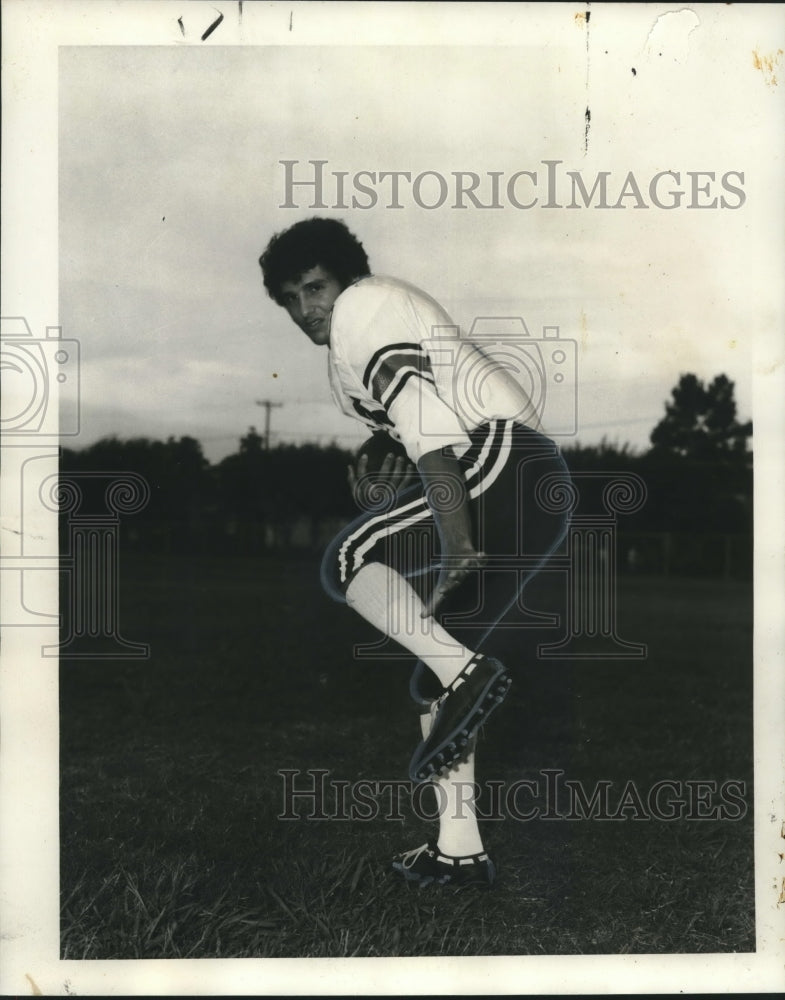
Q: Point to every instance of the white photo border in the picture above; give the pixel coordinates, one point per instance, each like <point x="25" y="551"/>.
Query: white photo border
<point x="34" y="31"/>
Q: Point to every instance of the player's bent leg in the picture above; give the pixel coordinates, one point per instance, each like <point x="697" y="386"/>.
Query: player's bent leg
<point x="474" y="684"/>
<point x="384" y="598"/>
<point x="388" y="601"/>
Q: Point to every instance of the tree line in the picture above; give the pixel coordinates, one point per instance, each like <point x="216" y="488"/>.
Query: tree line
<point x="697" y="471"/>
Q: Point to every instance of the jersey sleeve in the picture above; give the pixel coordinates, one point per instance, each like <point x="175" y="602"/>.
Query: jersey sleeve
<point x="379" y="331"/>
<point x="400" y="377"/>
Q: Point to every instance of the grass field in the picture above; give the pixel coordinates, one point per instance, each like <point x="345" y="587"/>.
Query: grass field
<point x="171" y="845"/>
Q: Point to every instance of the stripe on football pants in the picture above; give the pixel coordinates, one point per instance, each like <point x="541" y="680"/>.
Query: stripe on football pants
<point x="487" y="457"/>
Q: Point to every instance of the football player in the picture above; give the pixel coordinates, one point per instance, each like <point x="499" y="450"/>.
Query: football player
<point x="397" y="362"/>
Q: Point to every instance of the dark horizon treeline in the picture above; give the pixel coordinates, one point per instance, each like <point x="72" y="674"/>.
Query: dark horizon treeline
<point x="698" y="476"/>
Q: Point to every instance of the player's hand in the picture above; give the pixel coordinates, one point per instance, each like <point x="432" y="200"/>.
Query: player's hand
<point x="355" y="473"/>
<point x="397" y="471"/>
<point x="452" y="575"/>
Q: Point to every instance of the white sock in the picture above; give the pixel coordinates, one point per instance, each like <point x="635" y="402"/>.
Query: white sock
<point x="385" y="599"/>
<point x="459" y="834"/>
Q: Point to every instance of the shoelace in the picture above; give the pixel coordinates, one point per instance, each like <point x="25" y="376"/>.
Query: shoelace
<point x="410" y="858"/>
<point x="437" y="704"/>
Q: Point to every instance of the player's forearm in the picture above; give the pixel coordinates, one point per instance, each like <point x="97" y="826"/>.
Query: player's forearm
<point x="445" y="489"/>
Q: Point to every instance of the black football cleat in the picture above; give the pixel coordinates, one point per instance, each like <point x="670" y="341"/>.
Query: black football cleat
<point x="457" y="715"/>
<point x="426" y="866"/>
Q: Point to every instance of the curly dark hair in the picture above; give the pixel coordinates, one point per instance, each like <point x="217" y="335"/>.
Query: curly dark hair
<point x="311" y="243"/>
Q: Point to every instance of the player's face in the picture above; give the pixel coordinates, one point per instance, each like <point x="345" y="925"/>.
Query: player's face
<point x="309" y="301"/>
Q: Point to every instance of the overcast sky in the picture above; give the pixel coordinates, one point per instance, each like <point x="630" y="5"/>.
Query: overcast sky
<point x="170" y="186"/>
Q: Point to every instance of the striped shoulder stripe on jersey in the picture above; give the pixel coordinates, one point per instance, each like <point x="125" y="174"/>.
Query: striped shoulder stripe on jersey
<point x="377" y="417"/>
<point x="392" y="366"/>
<point x="405" y="347"/>
<point x="487" y="457"/>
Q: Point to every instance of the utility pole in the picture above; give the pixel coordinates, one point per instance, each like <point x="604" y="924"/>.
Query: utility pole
<point x="268" y="405"/>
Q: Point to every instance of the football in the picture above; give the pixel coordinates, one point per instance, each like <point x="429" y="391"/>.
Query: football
<point x="376" y="449"/>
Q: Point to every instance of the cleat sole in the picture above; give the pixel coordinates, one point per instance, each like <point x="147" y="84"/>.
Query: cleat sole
<point x="493" y="697"/>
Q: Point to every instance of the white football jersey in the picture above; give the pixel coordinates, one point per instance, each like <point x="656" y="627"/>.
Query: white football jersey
<point x="397" y="362"/>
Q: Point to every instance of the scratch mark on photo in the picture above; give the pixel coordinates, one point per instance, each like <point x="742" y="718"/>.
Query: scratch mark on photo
<point x="212" y="27"/>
